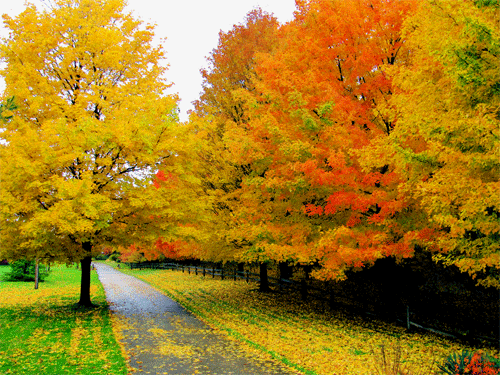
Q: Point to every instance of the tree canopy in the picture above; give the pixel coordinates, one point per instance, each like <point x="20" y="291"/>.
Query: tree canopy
<point x="91" y="126"/>
<point x="360" y="130"/>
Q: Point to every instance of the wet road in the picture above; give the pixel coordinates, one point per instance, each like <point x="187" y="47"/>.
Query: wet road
<point x="161" y="337"/>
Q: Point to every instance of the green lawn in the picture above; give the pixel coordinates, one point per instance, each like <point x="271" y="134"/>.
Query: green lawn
<point x="309" y="337"/>
<point x="43" y="332"/>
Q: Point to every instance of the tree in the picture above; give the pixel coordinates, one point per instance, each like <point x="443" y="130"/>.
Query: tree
<point x="314" y="108"/>
<point x="219" y="108"/>
<point x="232" y="65"/>
<point x="446" y="139"/>
<point x="218" y="233"/>
<point x="91" y="127"/>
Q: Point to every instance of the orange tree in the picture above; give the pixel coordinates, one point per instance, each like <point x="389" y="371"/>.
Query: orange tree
<point x="91" y="126"/>
<point x="308" y="199"/>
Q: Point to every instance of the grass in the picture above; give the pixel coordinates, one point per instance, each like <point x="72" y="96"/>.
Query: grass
<point x="309" y="337"/>
<point x="44" y="333"/>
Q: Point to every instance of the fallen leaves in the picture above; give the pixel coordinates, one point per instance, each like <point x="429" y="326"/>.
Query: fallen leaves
<point x="306" y="336"/>
<point x="43" y="334"/>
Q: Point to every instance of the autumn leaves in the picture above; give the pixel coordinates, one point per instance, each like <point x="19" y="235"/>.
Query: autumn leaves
<point x="91" y="126"/>
<point x="356" y="131"/>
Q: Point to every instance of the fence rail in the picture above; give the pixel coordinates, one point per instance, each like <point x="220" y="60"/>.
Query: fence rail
<point x="211" y="271"/>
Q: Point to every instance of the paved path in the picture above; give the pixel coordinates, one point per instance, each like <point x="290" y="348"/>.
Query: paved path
<point x="161" y="337"/>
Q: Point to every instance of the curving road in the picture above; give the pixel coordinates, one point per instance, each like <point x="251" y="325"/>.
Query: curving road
<point x="161" y="337"/>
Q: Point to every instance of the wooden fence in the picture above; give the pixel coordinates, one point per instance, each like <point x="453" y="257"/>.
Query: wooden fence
<point x="302" y="286"/>
<point x="214" y="272"/>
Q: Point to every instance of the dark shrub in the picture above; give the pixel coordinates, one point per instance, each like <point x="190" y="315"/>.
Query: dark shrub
<point x="24" y="270"/>
<point x="101" y="257"/>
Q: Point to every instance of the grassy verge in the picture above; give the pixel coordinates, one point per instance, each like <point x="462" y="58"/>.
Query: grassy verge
<point x="309" y="337"/>
<point x="43" y="332"/>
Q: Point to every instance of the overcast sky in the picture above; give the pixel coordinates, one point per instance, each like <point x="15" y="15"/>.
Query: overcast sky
<point x="191" y="28"/>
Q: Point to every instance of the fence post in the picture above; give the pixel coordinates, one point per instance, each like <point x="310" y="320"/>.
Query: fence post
<point x="408" y="317"/>
<point x="204" y="271"/>
<point x="189" y="270"/>
<point x="222" y="273"/>
<point x="247" y="276"/>
<point x="213" y="271"/>
<point x="196" y="271"/>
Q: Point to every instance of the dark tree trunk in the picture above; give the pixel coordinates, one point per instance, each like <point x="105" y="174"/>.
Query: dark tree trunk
<point x="285" y="271"/>
<point x="303" y="283"/>
<point x="37" y="273"/>
<point x="264" y="281"/>
<point x="85" y="283"/>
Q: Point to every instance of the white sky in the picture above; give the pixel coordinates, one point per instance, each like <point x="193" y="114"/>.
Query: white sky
<point x="192" y="31"/>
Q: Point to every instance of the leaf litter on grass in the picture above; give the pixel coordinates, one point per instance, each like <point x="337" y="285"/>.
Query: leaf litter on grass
<point x="307" y="336"/>
<point x="42" y="332"/>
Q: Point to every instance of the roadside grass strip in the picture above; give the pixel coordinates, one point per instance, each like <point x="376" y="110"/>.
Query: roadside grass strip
<point x="42" y="332"/>
<point x="307" y="336"/>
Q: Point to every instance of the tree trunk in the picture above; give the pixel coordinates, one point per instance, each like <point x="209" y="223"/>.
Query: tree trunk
<point x="85" y="283"/>
<point x="303" y="283"/>
<point x="264" y="281"/>
<point x="285" y="271"/>
<point x="37" y="273"/>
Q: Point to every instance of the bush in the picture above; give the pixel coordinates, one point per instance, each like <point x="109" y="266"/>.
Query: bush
<point x="115" y="257"/>
<point x="24" y="270"/>
<point x="101" y="257"/>
<point x="470" y="363"/>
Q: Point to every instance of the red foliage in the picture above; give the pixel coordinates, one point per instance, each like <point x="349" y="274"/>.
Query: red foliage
<point x="164" y="180"/>
<point x="480" y="366"/>
<point x="169" y="250"/>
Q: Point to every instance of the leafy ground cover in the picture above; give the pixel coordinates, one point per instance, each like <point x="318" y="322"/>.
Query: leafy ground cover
<point x="43" y="332"/>
<point x="309" y="337"/>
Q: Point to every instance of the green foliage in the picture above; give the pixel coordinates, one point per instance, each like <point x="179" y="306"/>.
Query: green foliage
<point x="101" y="256"/>
<point x="24" y="270"/>
<point x="9" y="105"/>
<point x="456" y="363"/>
<point x="487" y="3"/>
<point x="115" y="258"/>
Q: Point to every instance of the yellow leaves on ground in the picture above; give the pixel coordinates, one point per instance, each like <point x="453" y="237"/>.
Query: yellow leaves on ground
<point x="170" y="347"/>
<point x="307" y="336"/>
<point x="42" y="332"/>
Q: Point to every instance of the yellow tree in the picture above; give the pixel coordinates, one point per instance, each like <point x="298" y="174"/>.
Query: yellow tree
<point x="231" y="68"/>
<point x="91" y="126"/>
<point x="446" y="140"/>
